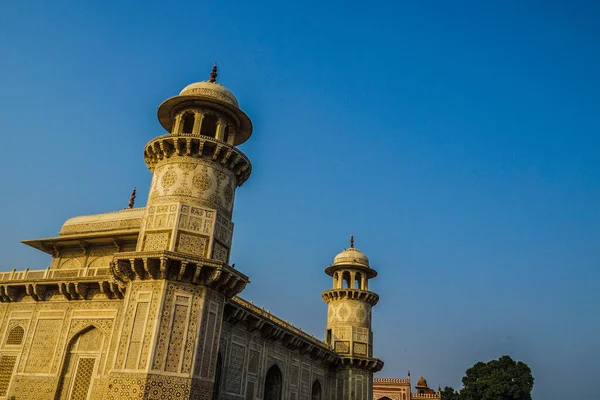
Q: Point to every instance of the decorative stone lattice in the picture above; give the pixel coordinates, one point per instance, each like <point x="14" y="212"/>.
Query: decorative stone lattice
<point x="192" y="244"/>
<point x="7" y="366"/>
<point x="342" y="347"/>
<point x="294" y="375"/>
<point x="235" y="371"/>
<point x="250" y="390"/>
<point x="220" y="253"/>
<point x="168" y="179"/>
<point x="360" y="349"/>
<point x="177" y="340"/>
<point x="253" y="362"/>
<point x="202" y="181"/>
<point x="83" y="378"/>
<point x="305" y="378"/>
<point x="157" y="241"/>
<point x="44" y="343"/>
<point x="210" y="334"/>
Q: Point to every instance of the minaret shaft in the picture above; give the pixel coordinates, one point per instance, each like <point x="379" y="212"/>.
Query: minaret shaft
<point x="349" y="311"/>
<point x="189" y="208"/>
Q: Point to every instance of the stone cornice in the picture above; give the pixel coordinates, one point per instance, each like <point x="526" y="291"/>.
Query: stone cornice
<point x="204" y="147"/>
<point x="368" y="363"/>
<point x="130" y="266"/>
<point x="241" y="312"/>
<point x="356" y="294"/>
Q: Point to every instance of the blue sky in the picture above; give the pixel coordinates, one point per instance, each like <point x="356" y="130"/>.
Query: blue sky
<point x="458" y="142"/>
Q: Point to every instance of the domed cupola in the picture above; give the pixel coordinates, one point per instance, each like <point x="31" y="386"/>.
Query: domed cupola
<point x="351" y="263"/>
<point x="208" y="109"/>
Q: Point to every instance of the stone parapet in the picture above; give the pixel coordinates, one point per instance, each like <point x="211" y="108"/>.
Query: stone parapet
<point x="356" y="294"/>
<point x="73" y="284"/>
<point x="199" y="147"/>
<point x="397" y="381"/>
<point x="425" y="396"/>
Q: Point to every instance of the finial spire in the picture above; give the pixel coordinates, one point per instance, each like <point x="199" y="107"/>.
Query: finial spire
<point x="351" y="241"/>
<point x="132" y="199"/>
<point x="213" y="74"/>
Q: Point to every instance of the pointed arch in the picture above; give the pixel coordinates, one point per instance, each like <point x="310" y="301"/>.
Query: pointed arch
<point x="80" y="364"/>
<point x="15" y="336"/>
<point x="316" y="391"/>
<point x="273" y="383"/>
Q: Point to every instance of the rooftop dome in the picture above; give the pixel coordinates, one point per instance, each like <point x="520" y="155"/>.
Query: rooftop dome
<point x="422" y="383"/>
<point x="209" y="89"/>
<point x="351" y="256"/>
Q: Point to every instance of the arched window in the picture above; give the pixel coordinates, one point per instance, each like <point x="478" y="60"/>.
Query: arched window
<point x="15" y="336"/>
<point x="80" y="364"/>
<point x="209" y="125"/>
<point x="316" y="391"/>
<point x="273" y="384"/>
<point x="217" y="384"/>
<point x="346" y="284"/>
<point x="403" y="396"/>
<point x="358" y="281"/>
<point x="187" y="122"/>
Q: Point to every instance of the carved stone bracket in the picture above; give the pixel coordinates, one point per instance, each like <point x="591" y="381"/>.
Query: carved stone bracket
<point x="8" y="293"/>
<point x="36" y="291"/>
<point x="367" y="363"/>
<point x="112" y="290"/>
<point x="182" y="267"/>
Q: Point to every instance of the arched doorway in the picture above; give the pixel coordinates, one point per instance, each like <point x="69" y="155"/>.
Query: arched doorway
<point x="273" y="383"/>
<point x="316" y="391"/>
<point x="81" y="364"/>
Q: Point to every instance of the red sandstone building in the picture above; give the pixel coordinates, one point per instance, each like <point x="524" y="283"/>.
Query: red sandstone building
<point x="399" y="389"/>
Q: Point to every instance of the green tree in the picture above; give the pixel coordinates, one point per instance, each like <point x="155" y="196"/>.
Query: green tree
<point x="502" y="379"/>
<point x="450" y="394"/>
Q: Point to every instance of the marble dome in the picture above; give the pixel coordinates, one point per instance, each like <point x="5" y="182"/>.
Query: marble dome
<point x="351" y="256"/>
<point x="211" y="90"/>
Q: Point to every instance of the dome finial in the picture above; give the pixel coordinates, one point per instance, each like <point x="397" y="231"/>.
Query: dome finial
<point x="351" y="241"/>
<point x="213" y="74"/>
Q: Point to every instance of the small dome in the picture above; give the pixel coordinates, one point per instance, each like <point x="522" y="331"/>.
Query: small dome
<point x="351" y="256"/>
<point x="422" y="383"/>
<point x="212" y="90"/>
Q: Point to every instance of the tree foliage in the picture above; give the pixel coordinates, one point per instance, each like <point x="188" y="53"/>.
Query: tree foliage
<point x="450" y="394"/>
<point x="502" y="379"/>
